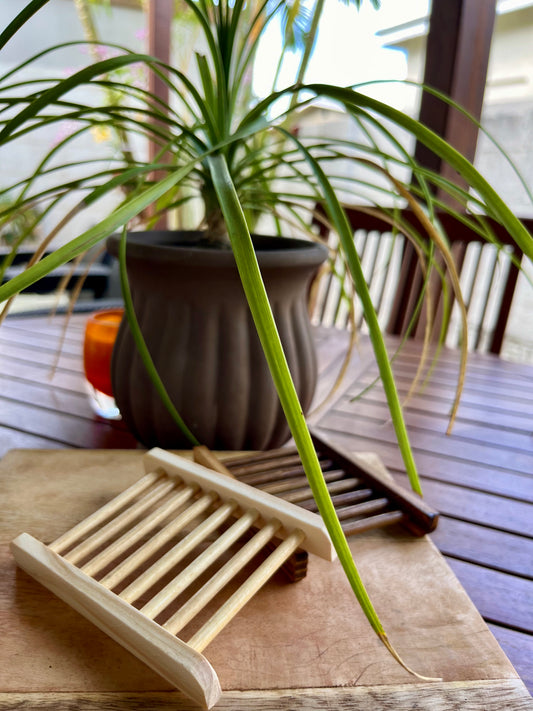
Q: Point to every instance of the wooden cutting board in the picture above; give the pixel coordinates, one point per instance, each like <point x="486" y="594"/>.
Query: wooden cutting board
<point x="305" y="646"/>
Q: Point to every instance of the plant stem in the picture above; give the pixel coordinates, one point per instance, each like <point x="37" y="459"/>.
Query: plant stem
<point x="142" y="348"/>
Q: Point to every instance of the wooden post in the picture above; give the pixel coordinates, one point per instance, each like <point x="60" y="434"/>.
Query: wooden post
<point x="160" y="14"/>
<point x="457" y="57"/>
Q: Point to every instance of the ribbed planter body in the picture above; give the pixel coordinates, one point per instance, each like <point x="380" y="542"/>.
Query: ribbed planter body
<point x="194" y="317"/>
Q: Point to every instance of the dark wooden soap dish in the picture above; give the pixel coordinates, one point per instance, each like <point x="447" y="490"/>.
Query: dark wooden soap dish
<point x="362" y="497"/>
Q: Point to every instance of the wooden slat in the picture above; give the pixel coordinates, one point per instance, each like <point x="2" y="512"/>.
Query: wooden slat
<point x="189" y="574"/>
<point x="475" y="397"/>
<point x="475" y="543"/>
<point x="503" y="599"/>
<point x="381" y="520"/>
<point x="62" y="428"/>
<point x="518" y="649"/>
<point x="246" y="591"/>
<point x="440" y="405"/>
<point x="105" y="534"/>
<point x="497" y="480"/>
<point x="70" y="343"/>
<point x="168" y="656"/>
<point x="60" y="379"/>
<point x="479" y="507"/>
<point x="292" y="517"/>
<point x="164" y="563"/>
<point x="142" y="553"/>
<point x="14" y="439"/>
<point x="419" y="514"/>
<point x="435" y="422"/>
<point x="479" y="362"/>
<point x="356" y="488"/>
<point x="48" y="356"/>
<point x="481" y="452"/>
<point x="481" y="375"/>
<point x="44" y="326"/>
<point x="485" y="384"/>
<point x="47" y="397"/>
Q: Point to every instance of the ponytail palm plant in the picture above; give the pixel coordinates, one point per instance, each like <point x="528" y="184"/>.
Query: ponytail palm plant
<point x="242" y="157"/>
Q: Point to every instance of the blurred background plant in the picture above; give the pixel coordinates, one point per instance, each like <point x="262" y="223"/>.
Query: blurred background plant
<point x="19" y="225"/>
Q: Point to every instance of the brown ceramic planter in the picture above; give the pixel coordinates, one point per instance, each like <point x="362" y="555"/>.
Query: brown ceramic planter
<point x="194" y="317"/>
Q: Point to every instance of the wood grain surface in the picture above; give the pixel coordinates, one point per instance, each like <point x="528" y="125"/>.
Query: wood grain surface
<point x="310" y="636"/>
<point x="459" y="696"/>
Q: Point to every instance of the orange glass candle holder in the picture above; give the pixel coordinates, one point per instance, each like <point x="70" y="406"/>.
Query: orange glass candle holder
<point x="100" y="335"/>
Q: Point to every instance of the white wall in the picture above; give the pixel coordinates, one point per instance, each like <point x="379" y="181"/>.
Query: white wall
<point x="56" y="23"/>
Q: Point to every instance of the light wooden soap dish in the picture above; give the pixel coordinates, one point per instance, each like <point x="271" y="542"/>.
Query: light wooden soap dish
<point x="182" y="531"/>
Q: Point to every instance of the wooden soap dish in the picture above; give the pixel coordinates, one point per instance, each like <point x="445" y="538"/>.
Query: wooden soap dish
<point x="362" y="498"/>
<point x="181" y="527"/>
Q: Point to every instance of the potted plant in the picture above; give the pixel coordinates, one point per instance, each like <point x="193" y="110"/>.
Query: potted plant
<point x="195" y="321"/>
<point x="241" y="155"/>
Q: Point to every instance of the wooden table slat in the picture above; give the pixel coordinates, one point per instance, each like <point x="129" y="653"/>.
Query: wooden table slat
<point x="40" y="356"/>
<point x="519" y="650"/>
<point x="426" y="404"/>
<point x="438" y="443"/>
<point x="434" y="422"/>
<point x="514" y="399"/>
<point x="487" y="382"/>
<point x="500" y="598"/>
<point x="435" y="467"/>
<point x="56" y="426"/>
<point x="475" y="543"/>
<point x="69" y="342"/>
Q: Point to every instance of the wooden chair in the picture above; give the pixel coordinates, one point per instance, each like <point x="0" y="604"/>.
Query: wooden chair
<point x="488" y="279"/>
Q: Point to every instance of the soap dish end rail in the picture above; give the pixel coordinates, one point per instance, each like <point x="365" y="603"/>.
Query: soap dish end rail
<point x="162" y="651"/>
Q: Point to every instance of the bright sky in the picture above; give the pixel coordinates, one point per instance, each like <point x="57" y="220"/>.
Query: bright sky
<point x="347" y="50"/>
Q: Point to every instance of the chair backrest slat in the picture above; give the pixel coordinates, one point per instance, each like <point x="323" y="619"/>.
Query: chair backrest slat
<point x="400" y="284"/>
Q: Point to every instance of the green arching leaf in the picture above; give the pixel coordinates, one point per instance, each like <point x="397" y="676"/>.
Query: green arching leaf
<point x="450" y="102"/>
<point x="118" y="218"/>
<point x="343" y="229"/>
<point x="24" y="15"/>
<point x="203" y="18"/>
<point x="493" y="201"/>
<point x="142" y="348"/>
<point x="354" y="102"/>
<point x="55" y="92"/>
<point x="216" y="122"/>
<point x="268" y="335"/>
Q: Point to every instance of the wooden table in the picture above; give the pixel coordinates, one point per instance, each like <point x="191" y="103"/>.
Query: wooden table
<point x="480" y="477"/>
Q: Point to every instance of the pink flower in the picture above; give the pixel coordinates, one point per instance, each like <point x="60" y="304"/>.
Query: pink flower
<point x="141" y="34"/>
<point x="65" y="129"/>
<point x="101" y="51"/>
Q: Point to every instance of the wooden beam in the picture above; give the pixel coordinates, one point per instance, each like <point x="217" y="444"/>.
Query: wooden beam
<point x="457" y="57"/>
<point x="160" y="15"/>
